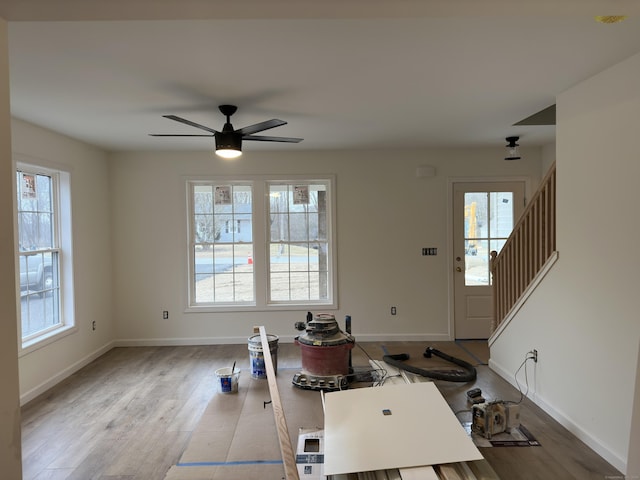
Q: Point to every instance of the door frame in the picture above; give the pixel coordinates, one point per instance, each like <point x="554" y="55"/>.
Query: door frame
<point x="450" y="261"/>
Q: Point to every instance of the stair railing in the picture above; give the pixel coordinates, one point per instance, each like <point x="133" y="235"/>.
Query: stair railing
<point x="526" y="252"/>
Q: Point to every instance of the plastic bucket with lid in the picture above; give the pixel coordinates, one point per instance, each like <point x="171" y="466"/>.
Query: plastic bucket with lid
<point x="256" y="355"/>
<point x="227" y="380"/>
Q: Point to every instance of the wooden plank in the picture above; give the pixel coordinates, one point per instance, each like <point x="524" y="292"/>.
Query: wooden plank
<point x="286" y="449"/>
<point x="449" y="472"/>
<point x="418" y="473"/>
<point x="482" y="470"/>
<point x="465" y="471"/>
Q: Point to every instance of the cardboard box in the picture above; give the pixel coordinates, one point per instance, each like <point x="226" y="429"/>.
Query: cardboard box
<point x="310" y="454"/>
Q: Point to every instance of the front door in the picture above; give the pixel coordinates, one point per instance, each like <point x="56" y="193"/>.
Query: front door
<point x="484" y="216"/>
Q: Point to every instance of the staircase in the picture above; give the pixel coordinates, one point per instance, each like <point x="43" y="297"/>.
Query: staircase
<point x="527" y="255"/>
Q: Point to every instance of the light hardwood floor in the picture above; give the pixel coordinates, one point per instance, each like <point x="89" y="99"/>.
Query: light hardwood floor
<point x="130" y="414"/>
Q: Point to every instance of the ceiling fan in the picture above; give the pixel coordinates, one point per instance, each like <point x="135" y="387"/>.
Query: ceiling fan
<point x="229" y="140"/>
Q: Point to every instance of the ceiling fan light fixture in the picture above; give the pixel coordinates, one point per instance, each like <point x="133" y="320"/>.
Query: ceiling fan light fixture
<point x="513" y="149"/>
<point x="229" y="140"/>
<point x="227" y="153"/>
<point x="228" y="145"/>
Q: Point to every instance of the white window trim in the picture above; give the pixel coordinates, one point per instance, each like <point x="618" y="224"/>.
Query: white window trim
<point x="260" y="236"/>
<point x="65" y="231"/>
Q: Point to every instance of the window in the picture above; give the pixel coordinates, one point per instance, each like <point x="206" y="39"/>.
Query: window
<point x="43" y="253"/>
<point x="223" y="272"/>
<point x="232" y="227"/>
<point x="298" y="247"/>
<point x="261" y="243"/>
<point x="488" y="221"/>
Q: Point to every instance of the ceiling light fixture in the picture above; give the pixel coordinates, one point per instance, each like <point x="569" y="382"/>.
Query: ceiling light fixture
<point x="610" y="18"/>
<point x="229" y="140"/>
<point x="228" y="144"/>
<point x="513" y="149"/>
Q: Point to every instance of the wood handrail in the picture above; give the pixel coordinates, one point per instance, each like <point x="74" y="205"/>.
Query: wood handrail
<point x="531" y="243"/>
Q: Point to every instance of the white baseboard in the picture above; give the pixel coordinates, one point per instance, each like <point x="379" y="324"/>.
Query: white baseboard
<point x="178" y="342"/>
<point x="564" y="420"/>
<point x="60" y="376"/>
<point x="170" y="342"/>
<point x="403" y="337"/>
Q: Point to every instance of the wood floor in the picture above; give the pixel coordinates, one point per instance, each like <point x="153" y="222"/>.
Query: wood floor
<point x="130" y="414"/>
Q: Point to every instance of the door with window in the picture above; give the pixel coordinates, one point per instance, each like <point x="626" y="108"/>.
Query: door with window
<point x="484" y="216"/>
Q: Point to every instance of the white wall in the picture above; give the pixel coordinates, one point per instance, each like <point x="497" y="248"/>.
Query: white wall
<point x="548" y="157"/>
<point x="42" y="368"/>
<point x="583" y="318"/>
<point x="633" y="462"/>
<point x="386" y="214"/>
<point x="10" y="439"/>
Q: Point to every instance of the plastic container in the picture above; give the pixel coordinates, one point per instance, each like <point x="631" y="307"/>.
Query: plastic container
<point x="227" y="380"/>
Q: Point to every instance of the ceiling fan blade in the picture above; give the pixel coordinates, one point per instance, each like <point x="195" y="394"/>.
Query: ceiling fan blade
<point x="259" y="127"/>
<point x="189" y="122"/>
<point x="177" y="135"/>
<point x="263" y="138"/>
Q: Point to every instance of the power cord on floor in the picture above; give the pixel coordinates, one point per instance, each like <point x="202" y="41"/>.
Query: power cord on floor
<point x="531" y="355"/>
<point x="380" y="375"/>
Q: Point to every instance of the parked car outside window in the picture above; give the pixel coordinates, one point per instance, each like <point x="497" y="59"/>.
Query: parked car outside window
<point x="36" y="272"/>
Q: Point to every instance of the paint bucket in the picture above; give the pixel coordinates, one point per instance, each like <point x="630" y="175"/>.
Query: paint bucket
<point x="227" y="380"/>
<point x="256" y="355"/>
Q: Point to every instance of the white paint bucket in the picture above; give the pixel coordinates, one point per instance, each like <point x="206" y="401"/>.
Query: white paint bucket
<point x="256" y="355"/>
<point x="227" y="380"/>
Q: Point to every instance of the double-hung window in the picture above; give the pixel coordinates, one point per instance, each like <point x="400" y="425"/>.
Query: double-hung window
<point x="299" y="243"/>
<point x="258" y="243"/>
<point x="44" y="253"/>
<point x="221" y="266"/>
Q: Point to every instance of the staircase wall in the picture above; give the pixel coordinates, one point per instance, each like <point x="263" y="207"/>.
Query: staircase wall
<point x="583" y="317"/>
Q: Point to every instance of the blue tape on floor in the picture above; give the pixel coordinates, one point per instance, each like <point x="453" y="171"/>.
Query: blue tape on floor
<point x="480" y="362"/>
<point x="230" y="464"/>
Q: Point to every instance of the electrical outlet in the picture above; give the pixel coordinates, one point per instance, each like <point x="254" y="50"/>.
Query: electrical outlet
<point x="393" y="310"/>
<point x="93" y="325"/>
<point x="165" y="314"/>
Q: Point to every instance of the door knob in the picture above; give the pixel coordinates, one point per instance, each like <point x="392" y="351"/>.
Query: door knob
<point x="458" y="269"/>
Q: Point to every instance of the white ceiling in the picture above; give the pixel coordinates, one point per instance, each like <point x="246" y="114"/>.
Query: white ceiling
<point x="345" y="74"/>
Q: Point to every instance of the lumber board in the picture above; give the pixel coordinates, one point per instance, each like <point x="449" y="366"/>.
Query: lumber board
<point x="286" y="449"/>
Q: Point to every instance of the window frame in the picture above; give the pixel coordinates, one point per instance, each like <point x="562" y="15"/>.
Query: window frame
<point x="62" y="233"/>
<point x="192" y="231"/>
<point x="261" y="241"/>
<point x="293" y="185"/>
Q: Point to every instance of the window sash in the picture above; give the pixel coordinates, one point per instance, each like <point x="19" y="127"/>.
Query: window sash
<point x="220" y="253"/>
